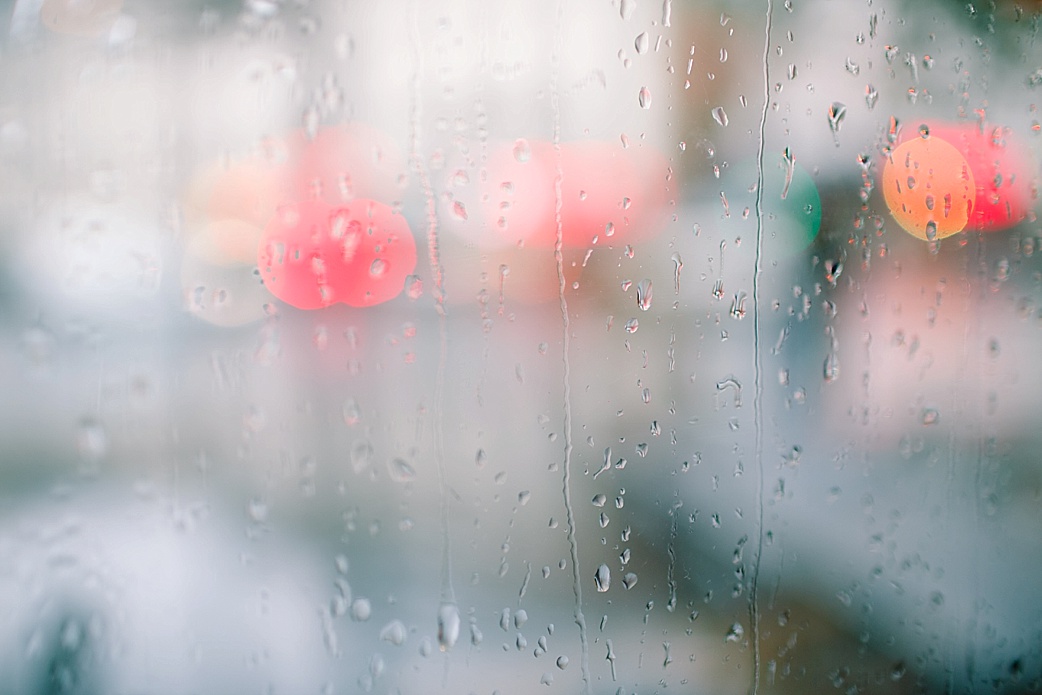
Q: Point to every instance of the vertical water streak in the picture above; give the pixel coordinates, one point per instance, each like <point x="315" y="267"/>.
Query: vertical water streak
<point x="447" y="611"/>
<point x="754" y="609"/>
<point x="573" y="543"/>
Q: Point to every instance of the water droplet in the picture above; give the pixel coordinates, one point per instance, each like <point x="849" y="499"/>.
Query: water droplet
<point x="401" y="471"/>
<point x="562" y="662"/>
<point x="361" y="609"/>
<point x="837" y="112"/>
<point x="626" y="8"/>
<point x="644" y="294"/>
<point x="831" y="368"/>
<point x="459" y="211"/>
<point x="413" y="287"/>
<point x="631" y="326"/>
<point x="629" y="580"/>
<point x="377" y="268"/>
<point x="735" y="632"/>
<point x="602" y="578"/>
<point x="930" y="416"/>
<point x="720" y="116"/>
<point x="641" y="43"/>
<point x="644" y="98"/>
<point x="394" y="632"/>
<point x="522" y="150"/>
<point x="448" y="625"/>
<point x="599" y="500"/>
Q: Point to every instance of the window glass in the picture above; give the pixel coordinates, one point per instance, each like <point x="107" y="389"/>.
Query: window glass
<point x="592" y="347"/>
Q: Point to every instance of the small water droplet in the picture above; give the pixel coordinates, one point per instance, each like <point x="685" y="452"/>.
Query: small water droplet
<point x="644" y="294"/>
<point x="644" y="98"/>
<point x="629" y="580"/>
<point x="413" y="287"/>
<point x="459" y="211"/>
<point x="631" y="326"/>
<point x="562" y="662"/>
<point x="448" y="625"/>
<point x="930" y="416"/>
<point x="522" y="150"/>
<point x="602" y="578"/>
<point x="735" y="632"/>
<point x="394" y="632"/>
<point x="641" y="43"/>
<point x="837" y="112"/>
<point x="720" y="116"/>
<point x="361" y="609"/>
<point x="401" y="471"/>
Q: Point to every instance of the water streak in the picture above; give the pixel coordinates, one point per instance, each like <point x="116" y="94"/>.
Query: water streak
<point x="573" y="544"/>
<point x="754" y="609"/>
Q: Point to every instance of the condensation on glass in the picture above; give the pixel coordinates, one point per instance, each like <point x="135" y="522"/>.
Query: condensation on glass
<point x="584" y="347"/>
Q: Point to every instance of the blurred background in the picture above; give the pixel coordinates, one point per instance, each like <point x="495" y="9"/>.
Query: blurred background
<point x="612" y="346"/>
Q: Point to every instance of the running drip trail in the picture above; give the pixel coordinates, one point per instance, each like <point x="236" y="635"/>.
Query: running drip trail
<point x="573" y="543"/>
<point x="754" y="608"/>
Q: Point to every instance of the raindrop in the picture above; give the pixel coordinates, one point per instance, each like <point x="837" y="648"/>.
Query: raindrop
<point x="562" y="662"/>
<point x="735" y="632"/>
<point x="602" y="578"/>
<point x="401" y="471"/>
<point x="522" y="150"/>
<point x="678" y="265"/>
<point x="831" y="368"/>
<point x="644" y="98"/>
<point x="413" y="287"/>
<point x="930" y="416"/>
<point x="361" y="609"/>
<point x="631" y="326"/>
<point x="644" y="294"/>
<point x="641" y="43"/>
<point x="599" y="500"/>
<point x="394" y="632"/>
<point x="837" y="112"/>
<point x="626" y="8"/>
<point x="448" y="625"/>
<point x="520" y="618"/>
<point x="459" y="211"/>
<point x="720" y="116"/>
<point x="871" y="96"/>
<point x="629" y="580"/>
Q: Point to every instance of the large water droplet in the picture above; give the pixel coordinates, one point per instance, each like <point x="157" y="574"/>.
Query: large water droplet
<point x="720" y="116"/>
<point x="602" y="578"/>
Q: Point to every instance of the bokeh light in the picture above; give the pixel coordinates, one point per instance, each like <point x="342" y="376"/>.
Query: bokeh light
<point x="1003" y="171"/>
<point x="314" y="254"/>
<point x="929" y="188"/>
